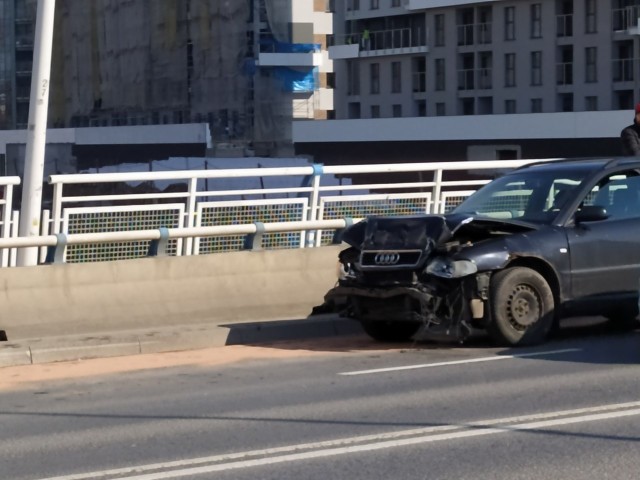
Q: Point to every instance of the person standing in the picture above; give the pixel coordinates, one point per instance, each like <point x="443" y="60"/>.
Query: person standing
<point x="630" y="136"/>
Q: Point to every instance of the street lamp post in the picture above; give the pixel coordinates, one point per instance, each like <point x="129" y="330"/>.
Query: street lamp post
<point x="31" y="210"/>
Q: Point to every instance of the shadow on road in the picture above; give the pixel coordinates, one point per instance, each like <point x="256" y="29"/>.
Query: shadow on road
<point x="593" y="339"/>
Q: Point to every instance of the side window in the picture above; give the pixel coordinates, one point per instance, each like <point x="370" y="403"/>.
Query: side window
<point x="619" y="194"/>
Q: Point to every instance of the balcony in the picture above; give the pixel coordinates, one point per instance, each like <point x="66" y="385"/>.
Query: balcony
<point x="471" y="79"/>
<point x="474" y="33"/>
<point x="564" y="25"/>
<point x="564" y="73"/>
<point x="379" y="43"/>
<point x="622" y="69"/>
<point x="626" y="20"/>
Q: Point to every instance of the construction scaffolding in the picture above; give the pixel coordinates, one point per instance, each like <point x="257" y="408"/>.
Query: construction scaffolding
<point x="131" y="62"/>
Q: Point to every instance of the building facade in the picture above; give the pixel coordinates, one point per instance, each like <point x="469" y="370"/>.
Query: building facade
<point x="246" y="68"/>
<point x="479" y="61"/>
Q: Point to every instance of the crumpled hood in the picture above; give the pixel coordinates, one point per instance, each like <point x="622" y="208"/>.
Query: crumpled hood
<point x="419" y="232"/>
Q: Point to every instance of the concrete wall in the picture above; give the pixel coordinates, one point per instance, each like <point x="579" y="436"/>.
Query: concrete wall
<point x="218" y="289"/>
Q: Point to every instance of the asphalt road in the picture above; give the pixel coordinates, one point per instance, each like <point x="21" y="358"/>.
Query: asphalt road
<point x="568" y="409"/>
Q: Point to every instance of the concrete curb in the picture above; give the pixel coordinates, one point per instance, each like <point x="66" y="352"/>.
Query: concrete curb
<point x="190" y="337"/>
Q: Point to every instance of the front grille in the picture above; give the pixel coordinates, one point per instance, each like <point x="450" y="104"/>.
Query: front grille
<point x="387" y="278"/>
<point x="390" y="259"/>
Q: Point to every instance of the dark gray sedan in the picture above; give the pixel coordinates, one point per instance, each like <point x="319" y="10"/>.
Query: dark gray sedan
<point x="543" y="242"/>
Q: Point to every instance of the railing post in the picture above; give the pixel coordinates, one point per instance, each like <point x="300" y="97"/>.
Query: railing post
<point x="314" y="203"/>
<point x="337" y="236"/>
<point x="158" y="247"/>
<point x="55" y="254"/>
<point x="44" y="231"/>
<point x="437" y="187"/>
<point x="57" y="208"/>
<point x="253" y="241"/>
<point x="190" y="221"/>
<point x="6" y="221"/>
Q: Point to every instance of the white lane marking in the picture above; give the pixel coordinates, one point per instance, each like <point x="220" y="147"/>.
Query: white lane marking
<point x="461" y="362"/>
<point x="371" y="442"/>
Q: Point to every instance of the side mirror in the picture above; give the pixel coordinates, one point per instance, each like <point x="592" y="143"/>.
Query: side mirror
<point x="591" y="213"/>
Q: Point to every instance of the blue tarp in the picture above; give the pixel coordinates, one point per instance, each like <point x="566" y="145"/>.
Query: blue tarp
<point x="296" y="80"/>
<point x="282" y="47"/>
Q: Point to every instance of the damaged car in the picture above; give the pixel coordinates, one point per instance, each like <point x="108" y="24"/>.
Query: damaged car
<point x="543" y="242"/>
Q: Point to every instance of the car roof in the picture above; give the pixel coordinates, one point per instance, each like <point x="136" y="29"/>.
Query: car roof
<point x="582" y="164"/>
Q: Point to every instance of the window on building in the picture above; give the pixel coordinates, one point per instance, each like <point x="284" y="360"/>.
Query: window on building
<point x="591" y="103"/>
<point x="564" y="18"/>
<point x="374" y="78"/>
<point x="485" y="73"/>
<point x="536" y="105"/>
<point x="353" y="5"/>
<point x="354" y="110"/>
<point x="484" y="26"/>
<point x="509" y="23"/>
<point x="375" y="4"/>
<point x="396" y="3"/>
<point x="375" y="111"/>
<point x="565" y="101"/>
<point x="467" y="106"/>
<point x="536" y="68"/>
<point x="396" y="77"/>
<point x="465" y="24"/>
<point x="441" y="109"/>
<point x="623" y="60"/>
<point x="591" y="16"/>
<point x="396" y="110"/>
<point x="353" y="78"/>
<point x="536" y="20"/>
<point x="591" y="60"/>
<point x="440" y="74"/>
<point x="421" y="108"/>
<point x="439" y="29"/>
<point x="510" y="70"/>
<point x="467" y="73"/>
<point x="485" y="105"/>
<point x="419" y="74"/>
<point x="510" y="106"/>
<point x="564" y="71"/>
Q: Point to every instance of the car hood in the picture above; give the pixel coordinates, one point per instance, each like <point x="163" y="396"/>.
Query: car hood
<point x="424" y="232"/>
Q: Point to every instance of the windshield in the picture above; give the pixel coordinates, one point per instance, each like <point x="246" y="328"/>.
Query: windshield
<point x="534" y="196"/>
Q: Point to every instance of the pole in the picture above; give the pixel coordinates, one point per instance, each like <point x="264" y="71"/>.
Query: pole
<point x="30" y="212"/>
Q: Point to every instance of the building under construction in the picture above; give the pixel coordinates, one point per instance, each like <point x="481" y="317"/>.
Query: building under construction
<point x="246" y="68"/>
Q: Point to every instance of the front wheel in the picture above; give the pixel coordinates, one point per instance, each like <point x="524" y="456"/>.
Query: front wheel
<point x="522" y="307"/>
<point x="390" y="331"/>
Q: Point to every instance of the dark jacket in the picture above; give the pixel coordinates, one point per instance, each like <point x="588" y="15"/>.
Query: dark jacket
<point x="631" y="140"/>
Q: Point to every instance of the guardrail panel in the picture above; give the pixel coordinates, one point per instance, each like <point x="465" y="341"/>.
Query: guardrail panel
<point x="250" y="211"/>
<point x="119" y="219"/>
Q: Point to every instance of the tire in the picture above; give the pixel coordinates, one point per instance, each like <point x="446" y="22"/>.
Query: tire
<point x="390" y="331"/>
<point x="522" y="307"/>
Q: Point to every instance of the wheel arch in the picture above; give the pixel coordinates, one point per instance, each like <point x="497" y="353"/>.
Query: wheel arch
<point x="548" y="273"/>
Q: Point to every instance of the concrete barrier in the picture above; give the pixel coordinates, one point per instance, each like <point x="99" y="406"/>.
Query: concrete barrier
<point x="210" y="292"/>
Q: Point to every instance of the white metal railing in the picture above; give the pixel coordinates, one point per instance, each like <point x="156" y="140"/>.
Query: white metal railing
<point x="8" y="220"/>
<point x="384" y="39"/>
<point x="160" y="238"/>
<point x="207" y="198"/>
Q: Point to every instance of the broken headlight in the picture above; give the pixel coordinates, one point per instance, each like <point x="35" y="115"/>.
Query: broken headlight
<point x="447" y="268"/>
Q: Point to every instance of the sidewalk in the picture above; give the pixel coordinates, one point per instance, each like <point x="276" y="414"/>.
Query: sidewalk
<point x="64" y="348"/>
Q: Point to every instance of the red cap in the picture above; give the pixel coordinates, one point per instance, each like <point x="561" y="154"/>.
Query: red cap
<point x="637" y="108"/>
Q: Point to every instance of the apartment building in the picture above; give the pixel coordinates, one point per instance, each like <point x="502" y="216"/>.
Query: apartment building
<point x="473" y="79"/>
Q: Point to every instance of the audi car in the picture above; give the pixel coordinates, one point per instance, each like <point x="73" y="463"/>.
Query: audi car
<point x="541" y="243"/>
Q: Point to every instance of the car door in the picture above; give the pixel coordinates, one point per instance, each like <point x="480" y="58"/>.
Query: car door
<point x="605" y="254"/>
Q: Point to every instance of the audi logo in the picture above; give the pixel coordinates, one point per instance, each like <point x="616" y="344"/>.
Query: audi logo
<point x="387" y="258"/>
